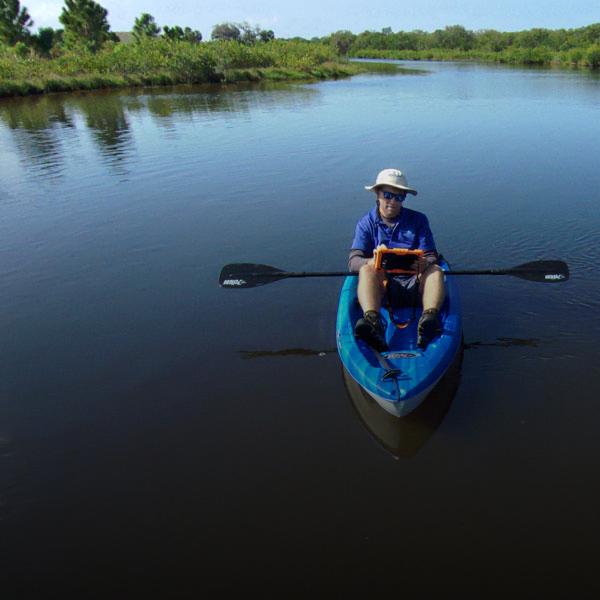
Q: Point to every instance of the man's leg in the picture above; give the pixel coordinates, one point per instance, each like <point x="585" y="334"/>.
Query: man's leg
<point x="433" y="288"/>
<point x="370" y="293"/>
<point x="370" y="288"/>
<point x="433" y="292"/>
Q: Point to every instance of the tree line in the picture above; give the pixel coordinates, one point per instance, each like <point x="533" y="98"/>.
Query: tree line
<point x="541" y="46"/>
<point x="86" y="54"/>
<point x="85" y="24"/>
<point x="457" y="37"/>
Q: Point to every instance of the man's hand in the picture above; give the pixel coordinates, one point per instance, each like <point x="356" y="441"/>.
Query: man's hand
<point x="376" y="251"/>
<point x="421" y="264"/>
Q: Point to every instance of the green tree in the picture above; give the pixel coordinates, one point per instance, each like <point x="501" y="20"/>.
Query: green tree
<point x="492" y="40"/>
<point x="226" y="31"/>
<point x="192" y="35"/>
<point x="177" y="33"/>
<point x="249" y="34"/>
<point x="413" y="40"/>
<point x="45" y="39"/>
<point x="85" y="23"/>
<point x="590" y="34"/>
<point x="145" y="27"/>
<point x="532" y="38"/>
<point x="455" y="37"/>
<point x="266" y="35"/>
<point x="14" y="22"/>
<point x="174" y="33"/>
<point x="592" y="56"/>
<point x="342" y="41"/>
<point x="371" y="39"/>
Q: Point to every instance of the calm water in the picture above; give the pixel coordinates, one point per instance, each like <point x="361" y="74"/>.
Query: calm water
<point x="161" y="435"/>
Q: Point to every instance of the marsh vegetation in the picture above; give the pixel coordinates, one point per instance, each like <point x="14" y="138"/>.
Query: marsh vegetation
<point x="86" y="54"/>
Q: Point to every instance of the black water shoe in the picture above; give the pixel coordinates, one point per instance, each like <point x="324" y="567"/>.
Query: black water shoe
<point x="370" y="330"/>
<point x="429" y="327"/>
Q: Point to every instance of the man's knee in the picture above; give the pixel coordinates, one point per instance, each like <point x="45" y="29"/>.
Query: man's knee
<point x="371" y="278"/>
<point x="431" y="269"/>
<point x="368" y="272"/>
<point x="432" y="278"/>
<point x="367" y="268"/>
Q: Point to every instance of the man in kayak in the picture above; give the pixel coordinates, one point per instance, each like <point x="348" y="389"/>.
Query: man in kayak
<point x="391" y="225"/>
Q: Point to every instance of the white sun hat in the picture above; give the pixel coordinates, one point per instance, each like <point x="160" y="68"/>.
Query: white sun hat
<point x="394" y="178"/>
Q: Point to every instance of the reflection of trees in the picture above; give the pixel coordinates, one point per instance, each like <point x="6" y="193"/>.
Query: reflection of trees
<point x="38" y="124"/>
<point x="35" y="123"/>
<point x="190" y="104"/>
<point x="106" y="118"/>
<point x="233" y="99"/>
<point x="34" y="113"/>
<point x="161" y="107"/>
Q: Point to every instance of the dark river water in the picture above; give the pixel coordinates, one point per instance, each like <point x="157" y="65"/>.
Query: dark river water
<point x="163" y="436"/>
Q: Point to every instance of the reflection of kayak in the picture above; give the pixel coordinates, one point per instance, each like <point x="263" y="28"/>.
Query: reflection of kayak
<point x="400" y="379"/>
<point x="403" y="438"/>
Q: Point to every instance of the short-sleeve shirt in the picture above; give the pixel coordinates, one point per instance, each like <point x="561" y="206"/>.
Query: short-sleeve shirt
<point x="411" y="230"/>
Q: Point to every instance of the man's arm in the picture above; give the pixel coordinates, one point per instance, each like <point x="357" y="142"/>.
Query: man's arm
<point x="363" y="244"/>
<point x="356" y="260"/>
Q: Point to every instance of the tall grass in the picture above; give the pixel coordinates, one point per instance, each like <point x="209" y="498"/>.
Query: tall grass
<point x="164" y="62"/>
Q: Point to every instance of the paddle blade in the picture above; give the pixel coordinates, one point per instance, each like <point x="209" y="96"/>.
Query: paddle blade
<point x="543" y="271"/>
<point x="248" y="275"/>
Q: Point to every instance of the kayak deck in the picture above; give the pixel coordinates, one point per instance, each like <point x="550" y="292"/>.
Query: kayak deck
<point x="399" y="379"/>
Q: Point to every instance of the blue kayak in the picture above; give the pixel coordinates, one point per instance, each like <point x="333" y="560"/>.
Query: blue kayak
<point x="401" y="378"/>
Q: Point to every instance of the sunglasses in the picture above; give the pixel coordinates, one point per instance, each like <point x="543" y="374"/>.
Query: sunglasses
<point x="398" y="197"/>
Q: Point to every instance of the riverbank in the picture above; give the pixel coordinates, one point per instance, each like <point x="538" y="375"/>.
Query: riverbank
<point x="541" y="56"/>
<point x="163" y="62"/>
<point x="98" y="81"/>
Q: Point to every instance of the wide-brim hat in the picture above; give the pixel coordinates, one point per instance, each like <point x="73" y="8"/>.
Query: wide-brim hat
<point x="393" y="178"/>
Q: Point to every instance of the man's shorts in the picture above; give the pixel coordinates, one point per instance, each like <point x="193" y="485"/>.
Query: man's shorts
<point x="403" y="290"/>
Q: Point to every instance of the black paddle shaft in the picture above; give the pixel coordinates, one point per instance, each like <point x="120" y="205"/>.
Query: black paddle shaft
<point x="247" y="275"/>
<point x="543" y="271"/>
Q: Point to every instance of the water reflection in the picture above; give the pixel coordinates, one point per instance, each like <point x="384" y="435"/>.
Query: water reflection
<point x="7" y="482"/>
<point x="400" y="437"/>
<point x="286" y="352"/>
<point x="166" y="106"/>
<point x="106" y="118"/>
<point x="238" y="98"/>
<point x="505" y="342"/>
<point x="34" y="113"/>
<point x="39" y="124"/>
<point x="36" y="124"/>
<point x="404" y="437"/>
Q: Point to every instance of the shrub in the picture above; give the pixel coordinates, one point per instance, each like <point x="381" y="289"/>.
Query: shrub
<point x="574" y="56"/>
<point x="592" y="56"/>
<point x="159" y="61"/>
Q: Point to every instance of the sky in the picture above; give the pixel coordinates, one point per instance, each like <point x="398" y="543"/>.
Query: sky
<point x="309" y="18"/>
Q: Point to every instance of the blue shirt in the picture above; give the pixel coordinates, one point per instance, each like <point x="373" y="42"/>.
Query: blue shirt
<point x="411" y="230"/>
